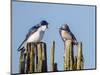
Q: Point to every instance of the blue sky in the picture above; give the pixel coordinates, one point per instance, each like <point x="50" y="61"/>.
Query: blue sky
<point x="81" y="20"/>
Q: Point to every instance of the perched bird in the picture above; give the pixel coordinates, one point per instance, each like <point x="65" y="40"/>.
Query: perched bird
<point x="66" y="34"/>
<point x="35" y="34"/>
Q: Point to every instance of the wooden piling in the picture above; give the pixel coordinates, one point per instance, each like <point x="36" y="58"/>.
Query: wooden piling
<point x="79" y="56"/>
<point x="34" y="58"/>
<point x="31" y="58"/>
<point x="52" y="55"/>
<point x="68" y="61"/>
<point x="75" y="63"/>
<point x="44" y="58"/>
<point x="21" y="62"/>
<point x="39" y="47"/>
<point x="26" y="60"/>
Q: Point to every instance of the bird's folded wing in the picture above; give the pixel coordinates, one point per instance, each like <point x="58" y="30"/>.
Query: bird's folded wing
<point x="73" y="37"/>
<point x="21" y="46"/>
<point x="31" y="32"/>
<point x="27" y="36"/>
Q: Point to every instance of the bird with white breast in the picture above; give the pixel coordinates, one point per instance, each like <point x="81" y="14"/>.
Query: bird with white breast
<point x="66" y="34"/>
<point x="35" y="34"/>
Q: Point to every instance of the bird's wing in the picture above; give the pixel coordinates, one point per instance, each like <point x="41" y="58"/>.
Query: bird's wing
<point x="32" y="30"/>
<point x="27" y="36"/>
<point x="73" y="37"/>
<point x="34" y="27"/>
<point x="20" y="47"/>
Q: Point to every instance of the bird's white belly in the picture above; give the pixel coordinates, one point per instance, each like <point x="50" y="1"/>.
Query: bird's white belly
<point x="66" y="35"/>
<point x="36" y="37"/>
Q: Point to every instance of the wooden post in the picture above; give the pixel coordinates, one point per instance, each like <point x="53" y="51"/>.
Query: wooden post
<point x="39" y="49"/>
<point x="79" y="56"/>
<point x="44" y="58"/>
<point x="71" y="57"/>
<point x="31" y="58"/>
<point x="52" y="56"/>
<point x="26" y="60"/>
<point x="68" y="61"/>
<point x="75" y="63"/>
<point x="21" y="63"/>
<point x="35" y="57"/>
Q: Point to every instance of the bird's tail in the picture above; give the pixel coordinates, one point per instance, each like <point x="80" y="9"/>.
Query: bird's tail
<point x="21" y="47"/>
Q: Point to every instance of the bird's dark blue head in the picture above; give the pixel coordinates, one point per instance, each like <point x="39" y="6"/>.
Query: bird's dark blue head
<point x="44" y="22"/>
<point x="65" y="27"/>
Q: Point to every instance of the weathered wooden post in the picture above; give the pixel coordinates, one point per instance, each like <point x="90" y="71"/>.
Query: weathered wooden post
<point x="39" y="49"/>
<point x="68" y="55"/>
<point x="75" y="63"/>
<point x="31" y="57"/>
<point x="21" y="63"/>
<point x="34" y="58"/>
<point x="26" y="60"/>
<point x="79" y="56"/>
<point x="44" y="58"/>
<point x="52" y="56"/>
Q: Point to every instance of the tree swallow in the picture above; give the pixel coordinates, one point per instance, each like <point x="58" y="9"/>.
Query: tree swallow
<point x="66" y="34"/>
<point x="35" y="34"/>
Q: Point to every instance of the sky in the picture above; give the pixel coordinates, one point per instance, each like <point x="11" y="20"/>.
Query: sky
<point x="81" y="21"/>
